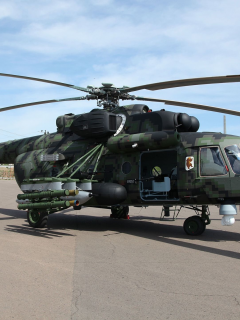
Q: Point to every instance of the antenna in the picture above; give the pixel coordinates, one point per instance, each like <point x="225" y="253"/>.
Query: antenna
<point x="224" y="125"/>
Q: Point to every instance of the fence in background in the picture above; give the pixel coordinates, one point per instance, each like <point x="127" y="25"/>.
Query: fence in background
<point x="6" y="172"/>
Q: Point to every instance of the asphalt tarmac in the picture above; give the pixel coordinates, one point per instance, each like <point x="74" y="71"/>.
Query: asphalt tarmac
<point x="87" y="266"/>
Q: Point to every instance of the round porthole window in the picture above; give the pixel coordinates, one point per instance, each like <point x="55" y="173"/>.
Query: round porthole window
<point x="156" y="171"/>
<point x="126" y="167"/>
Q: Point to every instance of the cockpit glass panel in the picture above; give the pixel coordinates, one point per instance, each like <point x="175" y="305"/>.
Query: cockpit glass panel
<point x="233" y="154"/>
<point x="211" y="162"/>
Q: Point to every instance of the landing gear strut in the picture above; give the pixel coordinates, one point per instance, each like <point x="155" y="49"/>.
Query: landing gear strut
<point x="120" y="212"/>
<point x="196" y="225"/>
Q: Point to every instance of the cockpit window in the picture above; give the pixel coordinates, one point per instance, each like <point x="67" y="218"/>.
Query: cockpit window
<point x="211" y="162"/>
<point x="233" y="154"/>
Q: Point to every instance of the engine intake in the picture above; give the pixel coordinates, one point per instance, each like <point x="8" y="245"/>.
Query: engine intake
<point x="95" y="124"/>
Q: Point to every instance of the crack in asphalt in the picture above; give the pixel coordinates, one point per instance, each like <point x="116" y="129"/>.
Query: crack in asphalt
<point x="188" y="294"/>
<point x="75" y="299"/>
<point x="141" y="287"/>
<point x="202" y="295"/>
<point x="238" y="303"/>
<point x="108" y="237"/>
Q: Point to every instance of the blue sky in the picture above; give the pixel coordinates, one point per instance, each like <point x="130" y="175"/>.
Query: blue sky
<point x="124" y="42"/>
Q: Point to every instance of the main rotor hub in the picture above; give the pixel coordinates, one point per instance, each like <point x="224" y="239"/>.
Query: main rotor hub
<point x="108" y="95"/>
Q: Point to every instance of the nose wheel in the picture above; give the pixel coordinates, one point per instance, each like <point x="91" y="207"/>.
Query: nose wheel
<point x="194" y="226"/>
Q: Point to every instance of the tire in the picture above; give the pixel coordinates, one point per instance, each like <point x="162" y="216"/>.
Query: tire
<point x="77" y="207"/>
<point x="37" y="219"/>
<point x="194" y="226"/>
<point x="120" y="212"/>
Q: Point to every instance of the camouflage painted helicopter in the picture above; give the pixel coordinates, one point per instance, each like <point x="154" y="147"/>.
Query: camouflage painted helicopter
<point x="122" y="156"/>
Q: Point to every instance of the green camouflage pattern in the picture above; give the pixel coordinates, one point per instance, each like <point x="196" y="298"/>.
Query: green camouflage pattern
<point x="123" y="143"/>
<point x="26" y="154"/>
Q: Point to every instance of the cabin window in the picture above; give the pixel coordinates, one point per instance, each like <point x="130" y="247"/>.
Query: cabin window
<point x="126" y="167"/>
<point x="233" y="154"/>
<point x="156" y="171"/>
<point x="211" y="162"/>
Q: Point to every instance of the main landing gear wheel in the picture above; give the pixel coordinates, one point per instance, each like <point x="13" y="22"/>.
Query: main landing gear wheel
<point x="120" y="212"/>
<point x="194" y="226"/>
<point x="37" y="219"/>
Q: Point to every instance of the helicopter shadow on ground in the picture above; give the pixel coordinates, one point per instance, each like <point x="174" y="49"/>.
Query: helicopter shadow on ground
<point x="61" y="224"/>
<point x="26" y="229"/>
<point x="166" y="233"/>
<point x="43" y="232"/>
<point x="155" y="230"/>
<point x="166" y="219"/>
<point x="12" y="214"/>
<point x="171" y="234"/>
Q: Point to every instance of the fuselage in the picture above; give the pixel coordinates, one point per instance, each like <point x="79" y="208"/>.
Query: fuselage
<point x="217" y="182"/>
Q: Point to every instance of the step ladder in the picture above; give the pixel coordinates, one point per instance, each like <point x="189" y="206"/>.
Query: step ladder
<point x="166" y="213"/>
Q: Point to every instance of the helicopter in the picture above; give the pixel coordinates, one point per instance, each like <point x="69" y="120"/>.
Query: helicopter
<point x="122" y="156"/>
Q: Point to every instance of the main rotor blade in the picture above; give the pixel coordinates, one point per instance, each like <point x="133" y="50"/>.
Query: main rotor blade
<point x="41" y="102"/>
<point x="184" y="83"/>
<point x="44" y="80"/>
<point x="191" y="105"/>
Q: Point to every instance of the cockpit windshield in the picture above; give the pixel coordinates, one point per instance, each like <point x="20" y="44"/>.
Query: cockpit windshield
<point x="211" y="162"/>
<point x="233" y="154"/>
